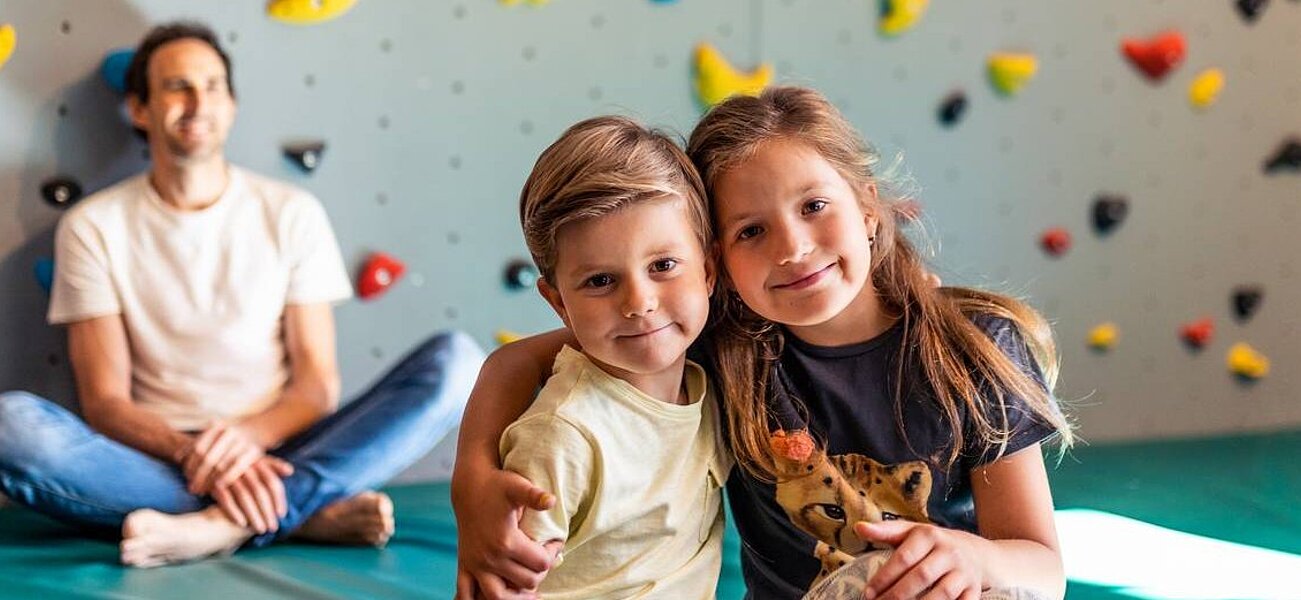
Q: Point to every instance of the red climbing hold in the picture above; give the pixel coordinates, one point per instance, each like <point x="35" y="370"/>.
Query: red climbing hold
<point x="1056" y="241"/>
<point x="1158" y="56"/>
<point x="1197" y="333"/>
<point x="381" y="272"/>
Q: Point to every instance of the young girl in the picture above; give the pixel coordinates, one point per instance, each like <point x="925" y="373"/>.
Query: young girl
<point x="866" y="408"/>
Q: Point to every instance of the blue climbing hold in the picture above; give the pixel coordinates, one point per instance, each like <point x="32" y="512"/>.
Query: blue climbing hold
<point x="44" y="271"/>
<point x="114" y="67"/>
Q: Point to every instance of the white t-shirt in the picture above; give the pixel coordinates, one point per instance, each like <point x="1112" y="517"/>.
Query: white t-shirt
<point x="637" y="483"/>
<point x="201" y="293"/>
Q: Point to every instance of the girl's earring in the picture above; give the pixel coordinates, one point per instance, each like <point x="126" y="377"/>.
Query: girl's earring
<point x="871" y="239"/>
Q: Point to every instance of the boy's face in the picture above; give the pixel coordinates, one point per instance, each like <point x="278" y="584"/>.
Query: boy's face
<point x="633" y="287"/>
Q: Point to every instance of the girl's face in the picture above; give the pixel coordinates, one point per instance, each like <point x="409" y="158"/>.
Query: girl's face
<point x="794" y="242"/>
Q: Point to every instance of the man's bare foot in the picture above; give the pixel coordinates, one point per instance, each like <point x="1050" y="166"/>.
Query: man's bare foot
<point x="151" y="538"/>
<point x="362" y="520"/>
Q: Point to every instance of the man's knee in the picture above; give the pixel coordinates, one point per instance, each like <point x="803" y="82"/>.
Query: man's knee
<point x="22" y="419"/>
<point x="453" y="351"/>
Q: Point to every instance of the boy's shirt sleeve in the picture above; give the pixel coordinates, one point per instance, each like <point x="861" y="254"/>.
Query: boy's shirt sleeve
<point x="560" y="458"/>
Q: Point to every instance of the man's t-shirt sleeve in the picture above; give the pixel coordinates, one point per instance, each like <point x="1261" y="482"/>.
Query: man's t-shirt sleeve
<point x="553" y="454"/>
<point x="316" y="271"/>
<point x="83" y="284"/>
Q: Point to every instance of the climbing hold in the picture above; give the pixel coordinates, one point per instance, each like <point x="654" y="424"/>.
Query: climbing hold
<point x="44" y="272"/>
<point x="1103" y="337"/>
<point x="307" y="155"/>
<point x="1288" y="157"/>
<point x="952" y="109"/>
<point x="8" y="41"/>
<point x="1197" y="333"/>
<point x="505" y="337"/>
<point x="1205" y="88"/>
<point x="716" y="79"/>
<point x="113" y="68"/>
<point x="1246" y="300"/>
<point x="1157" y="56"/>
<point x="1109" y="211"/>
<point x="1245" y="362"/>
<point x="529" y="2"/>
<point x="898" y="16"/>
<point x="380" y="273"/>
<point x="307" y="12"/>
<point x="61" y="192"/>
<point x="1055" y="241"/>
<point x="1251" y="9"/>
<point x="521" y="274"/>
<point x="1009" y="72"/>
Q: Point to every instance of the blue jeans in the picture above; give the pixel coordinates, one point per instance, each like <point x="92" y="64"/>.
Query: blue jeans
<point x="52" y="462"/>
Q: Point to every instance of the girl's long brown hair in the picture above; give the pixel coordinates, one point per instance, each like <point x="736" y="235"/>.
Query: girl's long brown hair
<point x="968" y="373"/>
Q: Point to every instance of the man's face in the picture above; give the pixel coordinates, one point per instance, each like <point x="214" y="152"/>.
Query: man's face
<point x="190" y="109"/>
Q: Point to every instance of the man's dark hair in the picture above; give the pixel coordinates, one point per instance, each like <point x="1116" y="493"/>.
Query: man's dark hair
<point x="137" y="74"/>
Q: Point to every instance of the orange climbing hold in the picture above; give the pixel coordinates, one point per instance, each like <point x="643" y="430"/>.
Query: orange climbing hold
<point x="1157" y="56"/>
<point x="1198" y="333"/>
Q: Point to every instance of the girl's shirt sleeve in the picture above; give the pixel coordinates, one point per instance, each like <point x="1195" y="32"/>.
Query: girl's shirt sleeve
<point x="1026" y="427"/>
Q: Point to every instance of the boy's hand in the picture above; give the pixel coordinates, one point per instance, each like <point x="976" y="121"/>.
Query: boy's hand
<point x="929" y="562"/>
<point x="495" y="558"/>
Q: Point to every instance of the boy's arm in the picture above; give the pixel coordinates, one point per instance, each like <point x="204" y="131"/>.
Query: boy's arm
<point x="494" y="555"/>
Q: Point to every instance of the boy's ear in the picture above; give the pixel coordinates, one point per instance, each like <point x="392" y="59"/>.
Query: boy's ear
<point x="712" y="258"/>
<point x="552" y="296"/>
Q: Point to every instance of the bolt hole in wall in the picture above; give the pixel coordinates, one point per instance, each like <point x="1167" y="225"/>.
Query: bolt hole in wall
<point x="1131" y="169"/>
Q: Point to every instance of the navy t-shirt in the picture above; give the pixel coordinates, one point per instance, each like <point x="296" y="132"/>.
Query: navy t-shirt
<point x="870" y="470"/>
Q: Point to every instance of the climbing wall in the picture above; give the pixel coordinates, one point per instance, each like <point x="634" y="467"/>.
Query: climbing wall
<point x="432" y="114"/>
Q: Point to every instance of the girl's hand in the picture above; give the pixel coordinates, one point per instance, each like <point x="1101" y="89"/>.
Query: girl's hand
<point x="495" y="559"/>
<point x="929" y="562"/>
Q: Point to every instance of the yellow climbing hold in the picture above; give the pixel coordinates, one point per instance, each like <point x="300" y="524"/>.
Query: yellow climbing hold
<point x="1010" y="72"/>
<point x="307" y="12"/>
<point x="529" y="2"/>
<point x="1205" y="88"/>
<point x="1103" y="337"/>
<point x="505" y="337"/>
<point x="8" y="41"/>
<point x="1245" y="361"/>
<point x="901" y="15"/>
<point x="716" y="79"/>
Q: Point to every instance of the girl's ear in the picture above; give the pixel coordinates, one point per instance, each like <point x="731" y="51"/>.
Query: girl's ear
<point x="870" y="203"/>
<point x="557" y="302"/>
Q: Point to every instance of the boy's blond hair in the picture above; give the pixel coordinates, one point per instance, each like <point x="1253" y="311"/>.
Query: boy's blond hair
<point x="596" y="168"/>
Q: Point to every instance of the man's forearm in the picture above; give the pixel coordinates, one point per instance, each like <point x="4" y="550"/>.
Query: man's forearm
<point x="132" y="426"/>
<point x="300" y="406"/>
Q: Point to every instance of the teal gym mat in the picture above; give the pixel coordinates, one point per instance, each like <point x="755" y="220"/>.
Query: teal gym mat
<point x="1240" y="489"/>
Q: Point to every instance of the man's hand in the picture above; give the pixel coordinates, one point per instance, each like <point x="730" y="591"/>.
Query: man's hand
<point x="218" y="457"/>
<point x="256" y="499"/>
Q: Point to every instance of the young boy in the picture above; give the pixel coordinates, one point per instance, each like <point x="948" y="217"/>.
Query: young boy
<point x="624" y="433"/>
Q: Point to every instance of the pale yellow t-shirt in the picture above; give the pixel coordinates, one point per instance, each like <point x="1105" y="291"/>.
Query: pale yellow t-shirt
<point x="201" y="293"/>
<point x="637" y="481"/>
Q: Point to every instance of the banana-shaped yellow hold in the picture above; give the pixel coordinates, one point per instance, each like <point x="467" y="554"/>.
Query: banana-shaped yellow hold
<point x="307" y="12"/>
<point x="529" y="2"/>
<point x="901" y="15"/>
<point x="8" y="41"/>
<point x="1245" y="361"/>
<point x="1203" y="91"/>
<point x="505" y="337"/>
<point x="1010" y="72"/>
<point x="716" y="79"/>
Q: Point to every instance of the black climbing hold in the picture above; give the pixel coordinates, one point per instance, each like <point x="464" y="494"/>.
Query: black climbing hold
<point x="1288" y="157"/>
<point x="952" y="109"/>
<point x="61" y="192"/>
<point x="521" y="274"/>
<point x="1251" y="9"/>
<point x="306" y="155"/>
<point x="1246" y="301"/>
<point x="1109" y="211"/>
